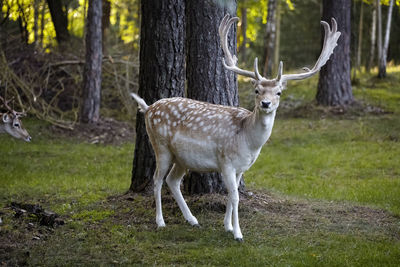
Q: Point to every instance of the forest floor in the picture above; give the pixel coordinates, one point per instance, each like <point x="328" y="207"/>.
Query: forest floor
<point x="325" y="191"/>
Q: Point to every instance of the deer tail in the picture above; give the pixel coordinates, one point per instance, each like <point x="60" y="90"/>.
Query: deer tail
<point x="143" y="107"/>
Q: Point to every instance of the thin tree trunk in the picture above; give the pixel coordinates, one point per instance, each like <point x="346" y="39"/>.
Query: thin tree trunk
<point x="207" y="79"/>
<point x="60" y="20"/>
<point x="90" y="110"/>
<point x="379" y="22"/>
<point x="382" y="61"/>
<point x="278" y="34"/>
<point x="360" y="36"/>
<point x="373" y="39"/>
<point x="85" y="3"/>
<point x="105" y="23"/>
<point x="244" y="33"/>
<point x="161" y="74"/>
<point x="42" y="13"/>
<point x="23" y="24"/>
<point x="35" y="21"/>
<point x="334" y="85"/>
<point x="270" y="39"/>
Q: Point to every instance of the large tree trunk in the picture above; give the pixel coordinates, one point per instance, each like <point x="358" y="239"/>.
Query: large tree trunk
<point x="383" y="57"/>
<point x="334" y="86"/>
<point x="373" y="39"/>
<point x="269" y="49"/>
<point x="161" y="73"/>
<point x="207" y="79"/>
<point x="60" y="20"/>
<point x="90" y="110"/>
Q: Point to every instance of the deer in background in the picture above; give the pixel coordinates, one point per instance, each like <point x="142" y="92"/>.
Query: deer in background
<point x="12" y="124"/>
<point x="203" y="137"/>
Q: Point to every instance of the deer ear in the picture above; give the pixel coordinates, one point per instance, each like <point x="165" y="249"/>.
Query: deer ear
<point x="6" y="118"/>
<point x="280" y="70"/>
<point x="254" y="82"/>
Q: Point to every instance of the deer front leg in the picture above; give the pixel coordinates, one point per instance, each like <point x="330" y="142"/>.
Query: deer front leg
<point x="233" y="204"/>
<point x="228" y="217"/>
<point x="228" y="213"/>
<point x="174" y="182"/>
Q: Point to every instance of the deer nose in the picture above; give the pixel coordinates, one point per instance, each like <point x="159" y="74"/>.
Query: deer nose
<point x="265" y="104"/>
<point x="28" y="139"/>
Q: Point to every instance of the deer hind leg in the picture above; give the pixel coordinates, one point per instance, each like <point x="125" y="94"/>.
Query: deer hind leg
<point x="174" y="182"/>
<point x="232" y="207"/>
<point x="163" y="162"/>
<point x="228" y="213"/>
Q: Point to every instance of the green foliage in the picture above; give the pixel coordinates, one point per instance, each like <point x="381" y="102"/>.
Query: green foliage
<point x="24" y="9"/>
<point x="123" y="18"/>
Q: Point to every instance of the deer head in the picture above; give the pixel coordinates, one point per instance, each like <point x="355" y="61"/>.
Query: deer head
<point x="268" y="91"/>
<point x="12" y="123"/>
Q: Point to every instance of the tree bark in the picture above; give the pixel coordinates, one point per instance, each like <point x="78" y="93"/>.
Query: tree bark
<point x="278" y="34"/>
<point x="360" y="36"/>
<point x="161" y="74"/>
<point x="379" y="22"/>
<point x="42" y="23"/>
<point x="243" y="47"/>
<point x="269" y="49"/>
<point x="35" y="21"/>
<point x="90" y="110"/>
<point x="382" y="60"/>
<point x="373" y="39"/>
<point x="60" y="20"/>
<point x="207" y="79"/>
<point x="23" y="23"/>
<point x="105" y="23"/>
<point x="334" y="86"/>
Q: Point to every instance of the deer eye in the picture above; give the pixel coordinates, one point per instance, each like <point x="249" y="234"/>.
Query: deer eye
<point x="257" y="92"/>
<point x="16" y="125"/>
<point x="279" y="93"/>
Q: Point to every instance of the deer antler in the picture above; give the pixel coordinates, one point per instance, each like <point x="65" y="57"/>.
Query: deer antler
<point x="15" y="113"/>
<point x="330" y="42"/>
<point x="230" y="61"/>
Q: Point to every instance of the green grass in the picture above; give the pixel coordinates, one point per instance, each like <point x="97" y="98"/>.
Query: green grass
<point x="61" y="170"/>
<point x="326" y="193"/>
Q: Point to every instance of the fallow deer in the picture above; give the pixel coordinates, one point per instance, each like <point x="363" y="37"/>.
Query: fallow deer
<point x="12" y="124"/>
<point x="203" y="137"/>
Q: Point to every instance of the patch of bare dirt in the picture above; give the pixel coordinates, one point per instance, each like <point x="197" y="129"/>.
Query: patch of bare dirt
<point x="106" y="131"/>
<point x="261" y="210"/>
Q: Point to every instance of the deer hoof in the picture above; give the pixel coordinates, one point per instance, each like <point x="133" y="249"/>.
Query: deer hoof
<point x="240" y="240"/>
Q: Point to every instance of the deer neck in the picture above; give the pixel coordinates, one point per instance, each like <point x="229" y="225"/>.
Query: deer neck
<point x="258" y="128"/>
